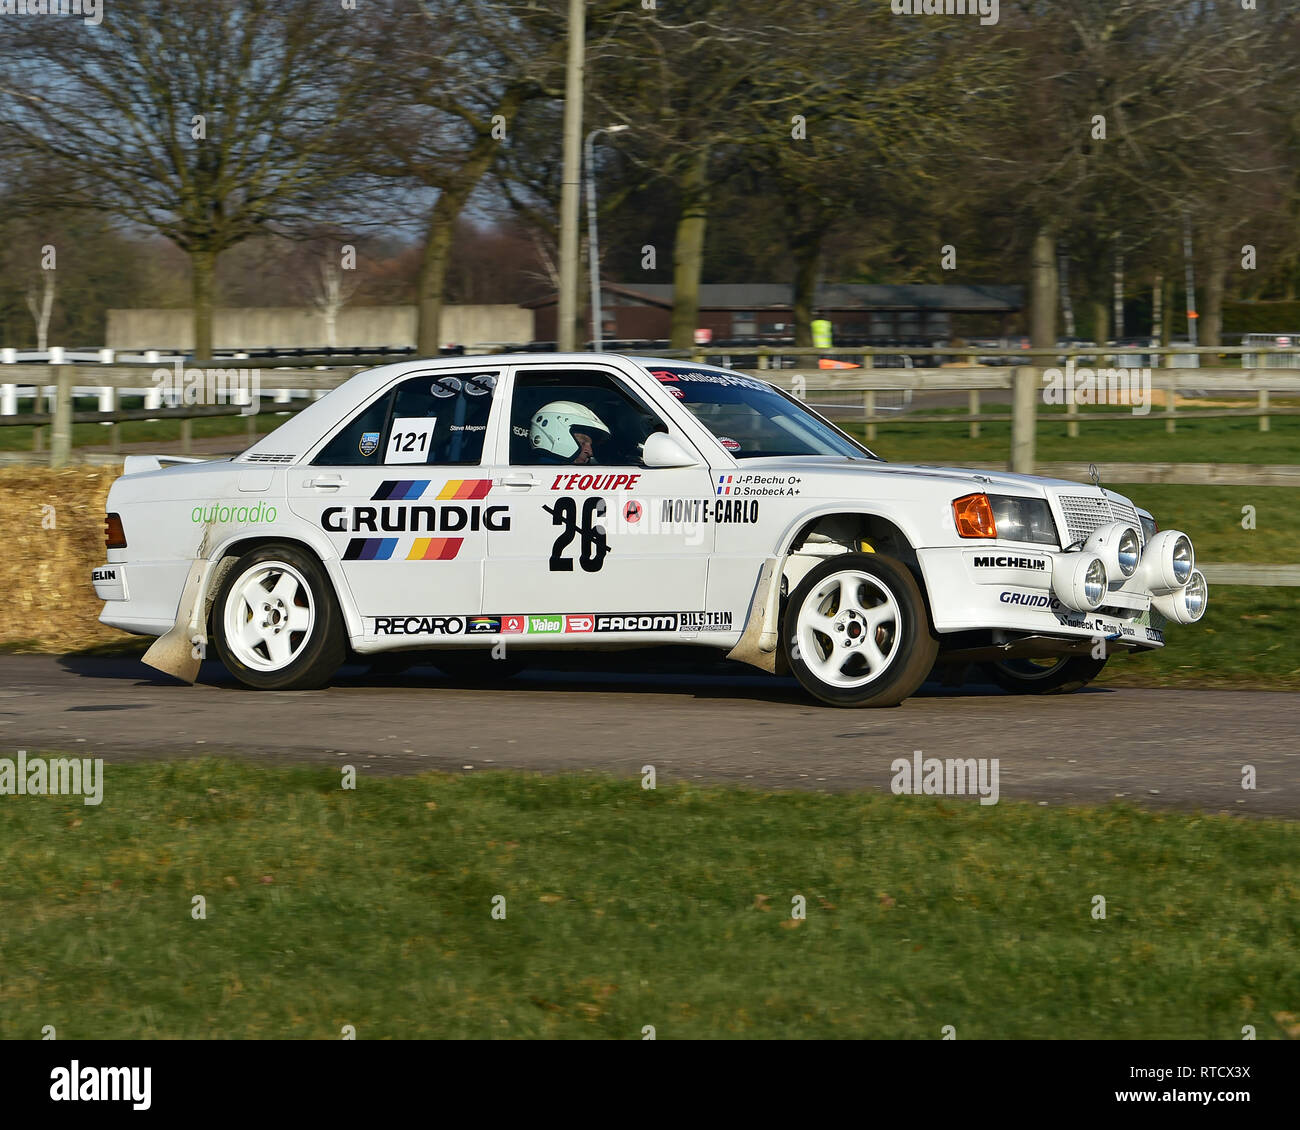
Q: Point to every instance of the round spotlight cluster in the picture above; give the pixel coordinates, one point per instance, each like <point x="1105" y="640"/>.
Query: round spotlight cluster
<point x="1119" y="545"/>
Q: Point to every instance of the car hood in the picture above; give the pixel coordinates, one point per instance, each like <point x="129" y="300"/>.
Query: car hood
<point x="963" y="477"/>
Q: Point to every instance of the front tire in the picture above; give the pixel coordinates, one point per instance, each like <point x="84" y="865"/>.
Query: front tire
<point x="276" y="623"/>
<point x="1059" y="676"/>
<point x="857" y="632"/>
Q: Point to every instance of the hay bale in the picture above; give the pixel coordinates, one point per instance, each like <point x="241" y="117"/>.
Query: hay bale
<point x="54" y="522"/>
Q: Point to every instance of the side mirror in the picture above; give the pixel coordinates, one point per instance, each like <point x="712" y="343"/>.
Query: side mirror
<point x="662" y="450"/>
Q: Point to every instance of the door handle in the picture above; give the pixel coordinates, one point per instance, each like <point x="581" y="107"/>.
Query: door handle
<point x="326" y="482"/>
<point x="519" y="482"/>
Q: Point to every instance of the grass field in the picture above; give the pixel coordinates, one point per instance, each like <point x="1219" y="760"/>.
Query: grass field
<point x="1100" y="440"/>
<point x="1213" y="517"/>
<point x="1249" y="638"/>
<point x="627" y="908"/>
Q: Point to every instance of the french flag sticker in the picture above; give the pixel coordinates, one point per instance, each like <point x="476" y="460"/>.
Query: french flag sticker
<point x="724" y="484"/>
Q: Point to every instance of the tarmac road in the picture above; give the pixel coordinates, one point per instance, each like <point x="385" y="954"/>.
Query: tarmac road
<point x="695" y="721"/>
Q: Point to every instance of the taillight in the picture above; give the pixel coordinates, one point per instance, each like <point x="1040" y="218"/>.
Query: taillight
<point x="974" y="517"/>
<point x="114" y="536"/>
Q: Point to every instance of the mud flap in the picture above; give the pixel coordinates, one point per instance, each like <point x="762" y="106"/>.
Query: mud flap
<point x="758" y="643"/>
<point x="175" y="652"/>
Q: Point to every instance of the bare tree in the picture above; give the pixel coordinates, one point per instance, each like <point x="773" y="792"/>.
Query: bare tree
<point x="466" y="68"/>
<point x="204" y="122"/>
<point x="330" y="287"/>
<point x="40" y="301"/>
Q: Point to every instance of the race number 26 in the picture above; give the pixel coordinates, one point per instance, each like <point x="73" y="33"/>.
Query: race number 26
<point x="594" y="547"/>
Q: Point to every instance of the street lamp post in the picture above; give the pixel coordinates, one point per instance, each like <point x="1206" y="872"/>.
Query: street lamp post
<point x="593" y="247"/>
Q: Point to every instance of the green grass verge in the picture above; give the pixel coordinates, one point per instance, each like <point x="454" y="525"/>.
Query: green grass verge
<point x="626" y="908"/>
<point x="1213" y="516"/>
<point x="1249" y="638"/>
<point x="1100" y="440"/>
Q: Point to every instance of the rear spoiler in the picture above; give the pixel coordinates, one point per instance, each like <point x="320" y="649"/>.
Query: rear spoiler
<point x="139" y="464"/>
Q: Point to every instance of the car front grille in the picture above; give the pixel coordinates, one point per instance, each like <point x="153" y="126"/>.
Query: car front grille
<point x="1085" y="513"/>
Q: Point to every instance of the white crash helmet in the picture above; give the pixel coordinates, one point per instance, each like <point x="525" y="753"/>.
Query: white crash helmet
<point x="553" y="424"/>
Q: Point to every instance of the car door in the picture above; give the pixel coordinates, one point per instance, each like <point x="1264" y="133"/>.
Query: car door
<point x="604" y="544"/>
<point x="400" y="491"/>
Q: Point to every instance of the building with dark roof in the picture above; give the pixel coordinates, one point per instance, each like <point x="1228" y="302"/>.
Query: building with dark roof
<point x="754" y="313"/>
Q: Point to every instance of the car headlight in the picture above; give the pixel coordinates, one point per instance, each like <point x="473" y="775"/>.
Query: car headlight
<point x="1116" y="543"/>
<point x="1079" y="581"/>
<point x="1167" y="562"/>
<point x="1185" y="605"/>
<point x="1023" y="519"/>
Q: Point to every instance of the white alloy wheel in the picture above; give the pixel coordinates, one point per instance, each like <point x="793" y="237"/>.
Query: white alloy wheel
<point x="848" y="629"/>
<point x="269" y="615"/>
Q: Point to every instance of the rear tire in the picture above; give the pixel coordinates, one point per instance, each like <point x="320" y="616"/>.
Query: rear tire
<point x="857" y="632"/>
<point x="275" y="621"/>
<point x="1028" y="676"/>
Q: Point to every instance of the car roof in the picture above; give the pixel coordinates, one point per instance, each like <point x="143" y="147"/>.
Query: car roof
<point x="300" y="433"/>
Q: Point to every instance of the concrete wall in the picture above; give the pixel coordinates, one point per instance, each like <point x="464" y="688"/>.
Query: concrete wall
<point x="287" y="327"/>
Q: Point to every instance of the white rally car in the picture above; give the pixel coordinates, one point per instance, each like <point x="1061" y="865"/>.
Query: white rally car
<point x="476" y="507"/>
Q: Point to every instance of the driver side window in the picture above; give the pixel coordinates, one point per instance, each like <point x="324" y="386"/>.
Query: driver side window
<point x="577" y="416"/>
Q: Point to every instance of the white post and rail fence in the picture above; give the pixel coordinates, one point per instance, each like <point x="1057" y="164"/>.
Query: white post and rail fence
<point x="842" y="393"/>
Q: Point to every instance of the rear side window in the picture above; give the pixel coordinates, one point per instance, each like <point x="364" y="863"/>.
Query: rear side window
<point x="424" y="420"/>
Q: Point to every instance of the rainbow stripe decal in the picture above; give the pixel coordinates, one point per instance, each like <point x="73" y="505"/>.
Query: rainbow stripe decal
<point x="400" y="490"/>
<point x="459" y="489"/>
<point x="369" y="549"/>
<point x="434" y="549"/>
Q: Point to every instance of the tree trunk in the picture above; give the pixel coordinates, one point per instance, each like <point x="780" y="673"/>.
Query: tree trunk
<point x="1212" y="320"/>
<point x="1099" y="325"/>
<point x="442" y="223"/>
<point x="1043" y="294"/>
<point x="807" y="258"/>
<point x="203" y="269"/>
<point x="433" y="272"/>
<point x="1157" y="308"/>
<point x="688" y="250"/>
<point x="1167" y="325"/>
<point x="1118" y="278"/>
<point x="1063" y="283"/>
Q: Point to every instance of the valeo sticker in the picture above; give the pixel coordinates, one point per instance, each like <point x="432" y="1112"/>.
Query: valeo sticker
<point x="545" y="624"/>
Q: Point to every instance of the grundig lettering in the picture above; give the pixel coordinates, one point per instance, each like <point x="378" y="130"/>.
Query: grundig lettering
<point x="400" y="519"/>
<point x="1010" y="563"/>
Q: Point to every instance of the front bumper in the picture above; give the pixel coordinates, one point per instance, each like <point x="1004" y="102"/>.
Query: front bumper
<point x="1010" y="588"/>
